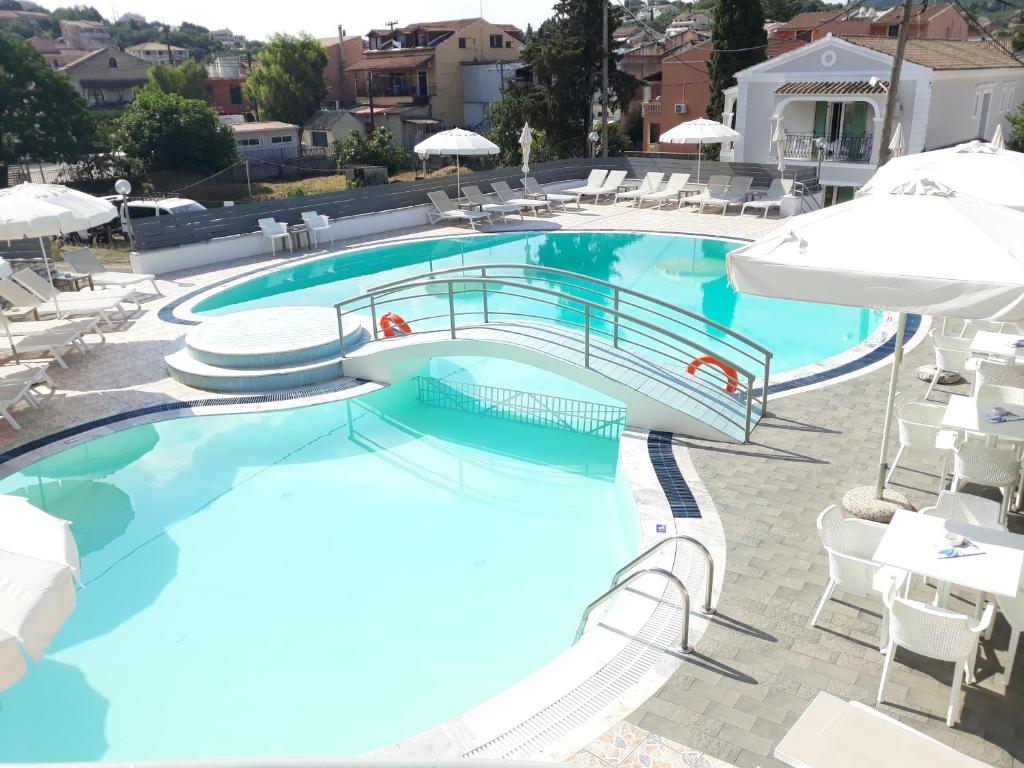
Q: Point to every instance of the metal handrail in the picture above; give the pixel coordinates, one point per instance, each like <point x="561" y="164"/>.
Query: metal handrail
<point x="709" y="567"/>
<point x="684" y="642"/>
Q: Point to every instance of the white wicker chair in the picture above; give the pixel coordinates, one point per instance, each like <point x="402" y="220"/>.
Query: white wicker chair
<point x="919" y="425"/>
<point x="849" y="543"/>
<point x="1012" y="609"/>
<point x="966" y="508"/>
<point x="951" y="354"/>
<point x="936" y="633"/>
<point x="997" y="374"/>
<point x="988" y="466"/>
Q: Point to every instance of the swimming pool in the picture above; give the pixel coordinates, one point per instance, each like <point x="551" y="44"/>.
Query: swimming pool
<point x="316" y="581"/>
<point x="687" y="271"/>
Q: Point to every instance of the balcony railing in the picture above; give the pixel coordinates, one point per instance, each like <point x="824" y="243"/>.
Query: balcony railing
<point x="844" y="149"/>
<point x="394" y="90"/>
<point x="650" y="109"/>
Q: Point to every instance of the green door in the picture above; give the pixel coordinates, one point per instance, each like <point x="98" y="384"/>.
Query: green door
<point x="820" y="118"/>
<point x="854" y="130"/>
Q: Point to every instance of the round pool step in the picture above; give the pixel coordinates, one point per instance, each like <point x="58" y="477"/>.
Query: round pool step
<point x="271" y="338"/>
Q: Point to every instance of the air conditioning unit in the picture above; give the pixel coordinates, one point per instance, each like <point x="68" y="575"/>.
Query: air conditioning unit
<point x="681" y="109"/>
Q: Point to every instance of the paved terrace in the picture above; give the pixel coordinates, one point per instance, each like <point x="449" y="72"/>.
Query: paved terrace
<point x="760" y="664"/>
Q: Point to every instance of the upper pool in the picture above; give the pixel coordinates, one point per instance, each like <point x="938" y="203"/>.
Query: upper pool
<point x="687" y="271"/>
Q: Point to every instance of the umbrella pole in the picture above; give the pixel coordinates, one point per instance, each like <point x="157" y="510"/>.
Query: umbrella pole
<point x="49" y="277"/>
<point x="890" y="404"/>
<point x="458" y="177"/>
<point x="10" y="338"/>
<point x="700" y="148"/>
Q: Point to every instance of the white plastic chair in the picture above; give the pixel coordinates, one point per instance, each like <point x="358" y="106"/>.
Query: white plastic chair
<point x="274" y="231"/>
<point x="988" y="466"/>
<point x="951" y="355"/>
<point x="849" y="543"/>
<point x="1012" y="609"/>
<point x="998" y="374"/>
<point x="966" y="508"/>
<point x="317" y="223"/>
<point x="919" y="424"/>
<point x="937" y="633"/>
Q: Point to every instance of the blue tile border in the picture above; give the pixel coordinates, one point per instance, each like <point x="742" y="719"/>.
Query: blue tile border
<point x="680" y="498"/>
<point x="175" y="405"/>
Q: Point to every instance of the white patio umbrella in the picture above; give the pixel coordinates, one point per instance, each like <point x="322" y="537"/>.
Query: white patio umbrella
<point x="700" y="131"/>
<point x="49" y="210"/>
<point x="38" y="571"/>
<point x="976" y="169"/>
<point x="458" y="142"/>
<point x="525" y="144"/>
<point x="918" y="248"/>
<point x="897" y="145"/>
<point x="779" y="139"/>
<point x="998" y="142"/>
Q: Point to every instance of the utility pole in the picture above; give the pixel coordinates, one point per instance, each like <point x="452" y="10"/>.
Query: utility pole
<point x="604" y="78"/>
<point x="369" y="90"/>
<point x="894" y="81"/>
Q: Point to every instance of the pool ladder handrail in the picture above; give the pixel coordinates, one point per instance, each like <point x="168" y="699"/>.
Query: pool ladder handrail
<point x="709" y="565"/>
<point x="684" y="641"/>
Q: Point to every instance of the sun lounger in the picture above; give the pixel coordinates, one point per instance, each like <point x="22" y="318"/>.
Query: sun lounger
<point x="506" y="195"/>
<point x="678" y="183"/>
<point x="12" y="393"/>
<point x="594" y="181"/>
<point x="41" y="344"/>
<point x="650" y="183"/>
<point x="609" y="186"/>
<point x="711" y="192"/>
<point x="479" y="199"/>
<point x="735" y="194"/>
<point x="33" y="375"/>
<point x="24" y="301"/>
<point x="772" y="198"/>
<point x="83" y="260"/>
<point x="446" y="210"/>
<point x="534" y="189"/>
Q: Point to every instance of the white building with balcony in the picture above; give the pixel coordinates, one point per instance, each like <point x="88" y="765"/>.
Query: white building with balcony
<point x="830" y="98"/>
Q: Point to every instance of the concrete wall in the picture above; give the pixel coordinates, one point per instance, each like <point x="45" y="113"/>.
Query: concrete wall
<point x="953" y="116"/>
<point x="481" y="86"/>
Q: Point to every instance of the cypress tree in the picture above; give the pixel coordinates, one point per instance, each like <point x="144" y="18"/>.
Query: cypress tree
<point x="738" y="24"/>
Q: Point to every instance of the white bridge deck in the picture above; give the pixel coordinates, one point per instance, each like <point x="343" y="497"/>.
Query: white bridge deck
<point x="656" y="396"/>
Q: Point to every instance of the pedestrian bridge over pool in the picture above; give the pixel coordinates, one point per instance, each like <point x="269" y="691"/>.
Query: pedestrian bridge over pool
<point x="673" y="369"/>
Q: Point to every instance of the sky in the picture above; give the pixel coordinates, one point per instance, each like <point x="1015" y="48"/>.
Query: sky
<point x="257" y="20"/>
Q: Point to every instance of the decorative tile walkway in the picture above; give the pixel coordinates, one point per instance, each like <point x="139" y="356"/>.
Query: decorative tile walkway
<point x="629" y="746"/>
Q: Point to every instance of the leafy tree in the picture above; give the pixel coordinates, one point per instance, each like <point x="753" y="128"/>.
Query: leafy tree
<point x="737" y="40"/>
<point x="519" y="104"/>
<point x="618" y="141"/>
<point x="41" y="115"/>
<point x="187" y="79"/>
<point x="1015" y="140"/>
<point x="77" y="13"/>
<point x="565" y="56"/>
<point x="165" y="132"/>
<point x="781" y="10"/>
<point x="1018" y="39"/>
<point x="288" y="81"/>
<point x="377" y="149"/>
<point x="662" y="20"/>
<point x="632" y="126"/>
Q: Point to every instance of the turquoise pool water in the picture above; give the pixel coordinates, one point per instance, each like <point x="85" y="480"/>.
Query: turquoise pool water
<point x="316" y="581"/>
<point x="687" y="271"/>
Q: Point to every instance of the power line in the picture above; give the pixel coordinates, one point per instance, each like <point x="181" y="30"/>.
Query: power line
<point x="973" y="21"/>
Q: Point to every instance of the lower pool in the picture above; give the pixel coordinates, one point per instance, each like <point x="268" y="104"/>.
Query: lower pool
<point x="317" y="581"/>
<point x="687" y="271"/>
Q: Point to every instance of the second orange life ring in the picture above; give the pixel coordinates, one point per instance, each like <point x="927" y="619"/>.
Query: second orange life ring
<point x="391" y="320"/>
<point x="733" y="380"/>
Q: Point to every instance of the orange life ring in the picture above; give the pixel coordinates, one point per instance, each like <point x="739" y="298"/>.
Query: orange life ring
<point x="391" y="320"/>
<point x="733" y="380"/>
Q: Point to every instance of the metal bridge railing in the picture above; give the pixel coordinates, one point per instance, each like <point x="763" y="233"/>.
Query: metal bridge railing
<point x="605" y="317"/>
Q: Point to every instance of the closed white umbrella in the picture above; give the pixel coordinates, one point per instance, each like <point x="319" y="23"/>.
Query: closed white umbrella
<point x="919" y="248"/>
<point x="998" y="142"/>
<point x="525" y="144"/>
<point x="458" y="142"/>
<point x="700" y="131"/>
<point x="976" y="169"/>
<point x="779" y="139"/>
<point x="38" y="570"/>
<point x="897" y="145"/>
<point x="49" y="210"/>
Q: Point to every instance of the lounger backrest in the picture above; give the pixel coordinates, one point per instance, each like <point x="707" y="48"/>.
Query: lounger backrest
<point x="441" y="201"/>
<point x="615" y="178"/>
<point x="777" y="189"/>
<point x="720" y="180"/>
<point x="82" y="260"/>
<point x="740" y="185"/>
<point x="677" y="181"/>
<point x="39" y="286"/>
<point x="715" y="190"/>
<point x="596" y="178"/>
<point x="472" y="192"/>
<point x="651" y="181"/>
<point x="503" y="191"/>
<point x="18" y="296"/>
<point x="530" y="184"/>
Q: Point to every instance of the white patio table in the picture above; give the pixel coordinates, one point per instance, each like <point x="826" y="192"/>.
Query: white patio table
<point x="832" y="733"/>
<point x="964" y="412"/>
<point x="912" y="542"/>
<point x="998" y="345"/>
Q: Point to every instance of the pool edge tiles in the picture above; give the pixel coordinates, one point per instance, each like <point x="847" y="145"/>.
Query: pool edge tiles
<point x="506" y="712"/>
